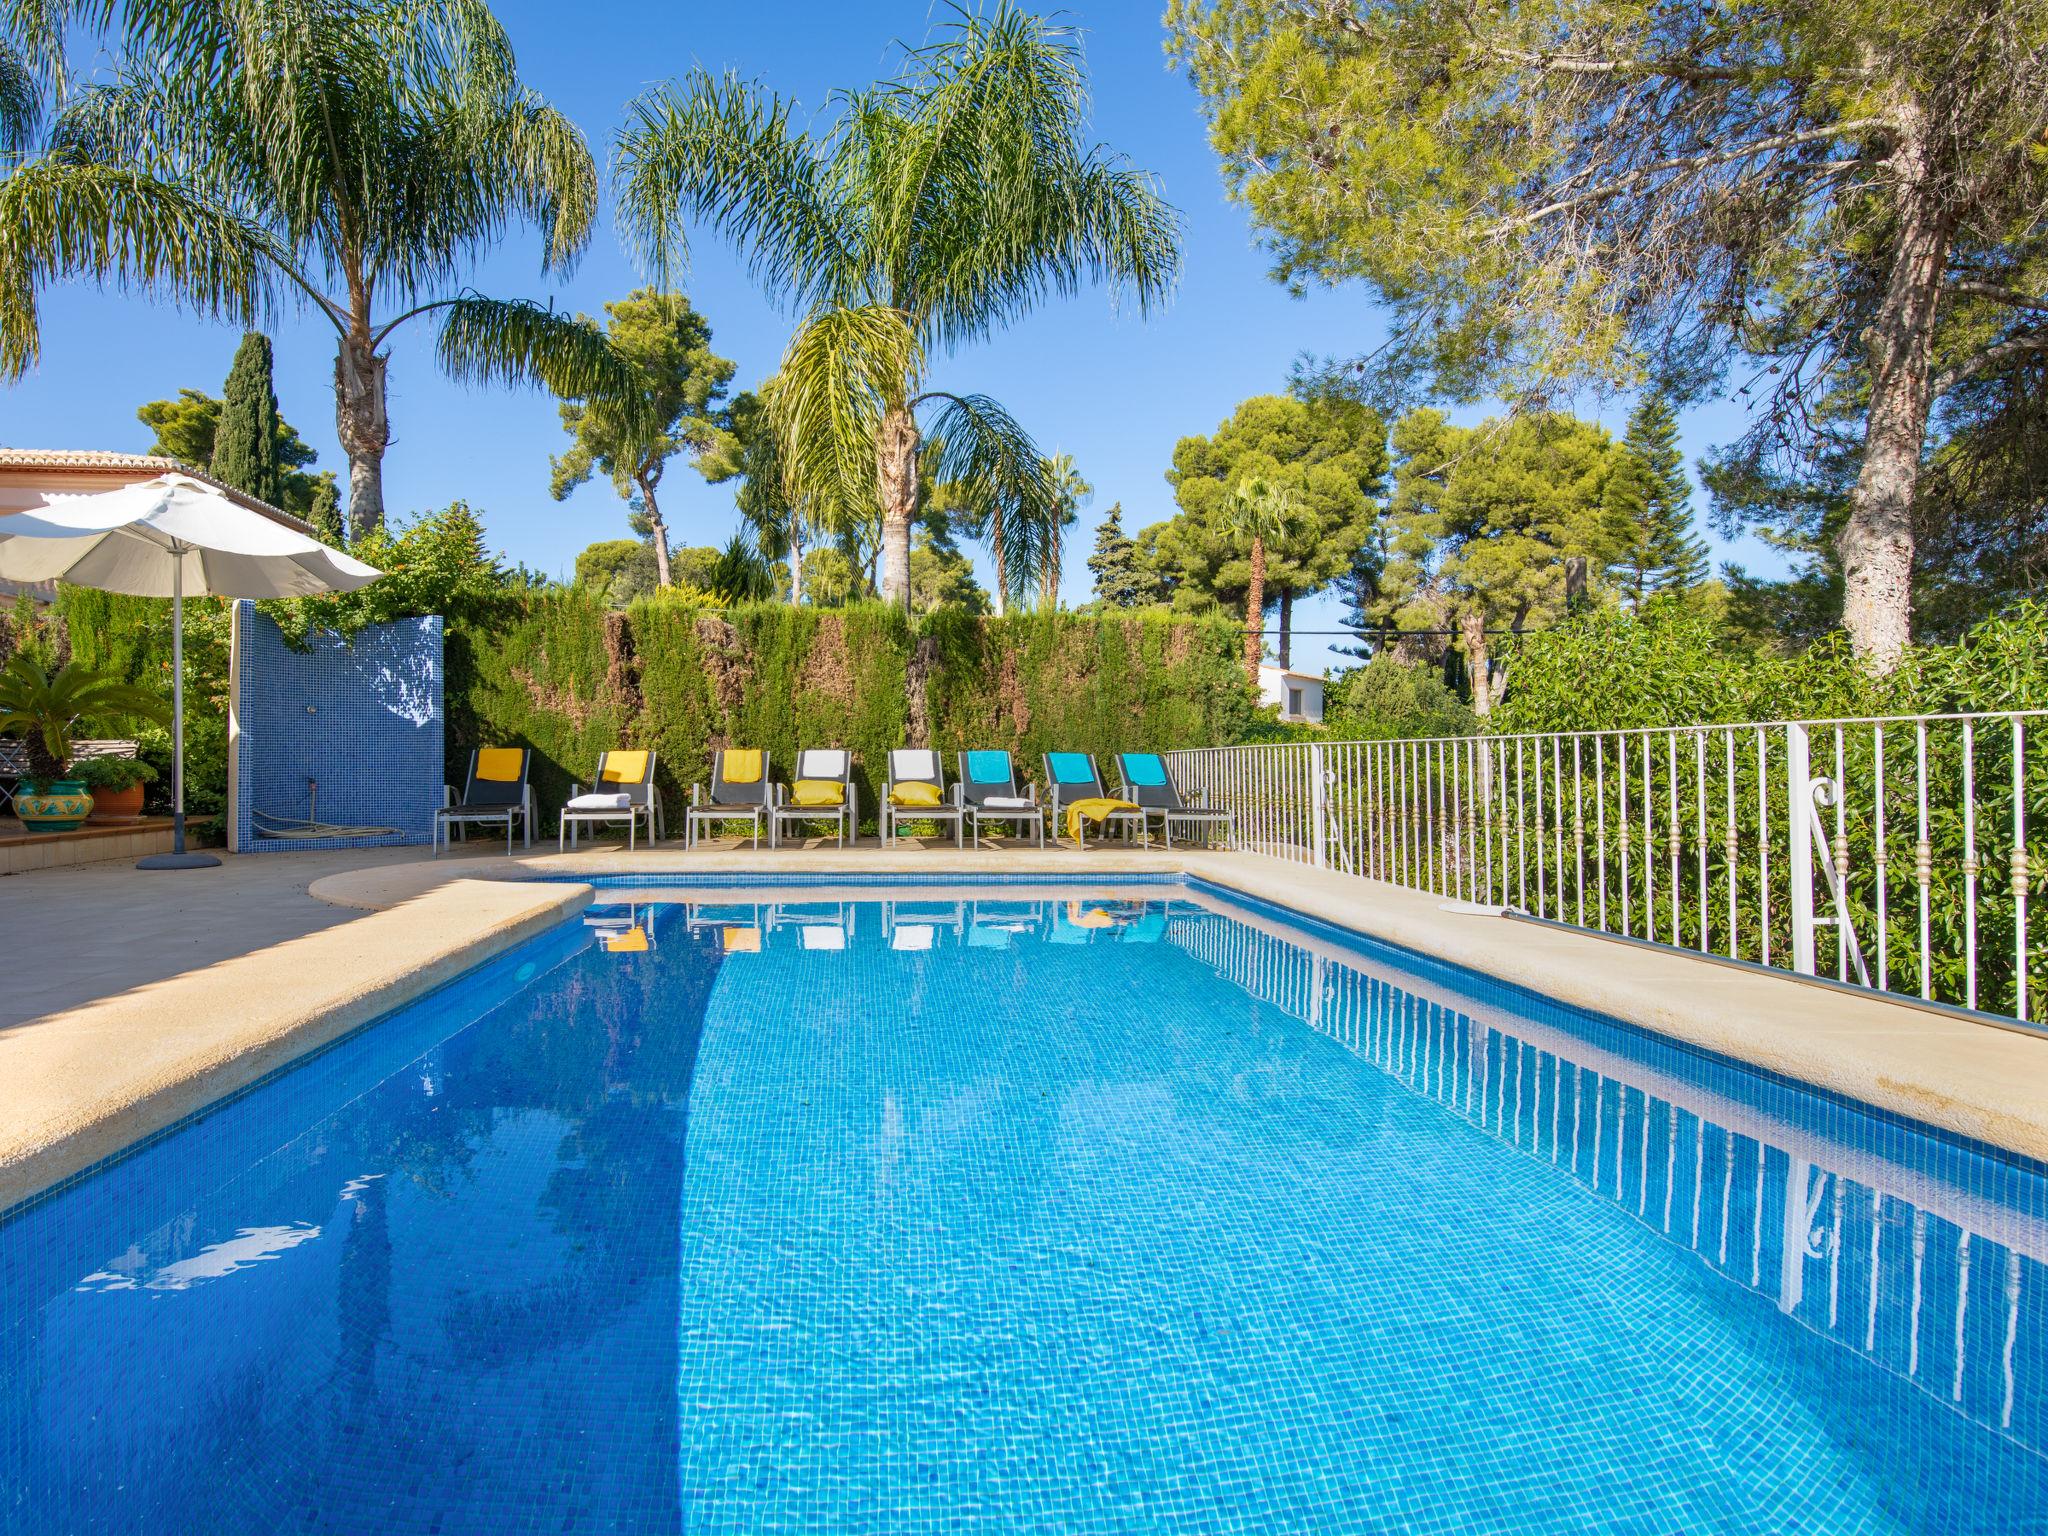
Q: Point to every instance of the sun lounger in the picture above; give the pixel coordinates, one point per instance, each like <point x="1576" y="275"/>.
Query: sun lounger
<point x="916" y="791"/>
<point x="624" y="791"/>
<point x="495" y="790"/>
<point x="1073" y="776"/>
<point x="823" y="791"/>
<point x="1147" y="782"/>
<point x="988" y="788"/>
<point x="738" y="791"/>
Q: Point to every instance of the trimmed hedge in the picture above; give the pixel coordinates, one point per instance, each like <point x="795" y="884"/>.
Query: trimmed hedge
<point x="570" y="678"/>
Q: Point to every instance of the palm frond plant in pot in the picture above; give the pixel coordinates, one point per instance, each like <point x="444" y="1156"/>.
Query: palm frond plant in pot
<point x="116" y="785"/>
<point x="47" y="710"/>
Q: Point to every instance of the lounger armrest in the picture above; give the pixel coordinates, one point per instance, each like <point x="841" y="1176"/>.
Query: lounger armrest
<point x="696" y="794"/>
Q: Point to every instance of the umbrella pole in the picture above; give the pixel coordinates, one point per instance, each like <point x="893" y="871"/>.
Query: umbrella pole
<point x="178" y="858"/>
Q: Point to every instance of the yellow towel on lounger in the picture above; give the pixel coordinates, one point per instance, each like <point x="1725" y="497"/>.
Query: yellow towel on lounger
<point x="624" y="768"/>
<point x="818" y="793"/>
<point x="915" y="794"/>
<point x="1096" y="808"/>
<point x="742" y="765"/>
<point x="632" y="942"/>
<point x="499" y="765"/>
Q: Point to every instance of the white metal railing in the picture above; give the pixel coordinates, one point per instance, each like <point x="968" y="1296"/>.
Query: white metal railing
<point x="1887" y="852"/>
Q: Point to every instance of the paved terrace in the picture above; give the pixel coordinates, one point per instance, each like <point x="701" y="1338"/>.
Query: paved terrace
<point x="135" y="999"/>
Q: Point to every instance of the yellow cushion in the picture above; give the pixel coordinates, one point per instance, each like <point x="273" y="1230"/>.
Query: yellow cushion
<point x="914" y="794"/>
<point x="818" y="792"/>
<point x="742" y="765"/>
<point x="500" y="765"/>
<point x="623" y="768"/>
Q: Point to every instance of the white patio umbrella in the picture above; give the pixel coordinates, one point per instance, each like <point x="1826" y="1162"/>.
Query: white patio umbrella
<point x="164" y="538"/>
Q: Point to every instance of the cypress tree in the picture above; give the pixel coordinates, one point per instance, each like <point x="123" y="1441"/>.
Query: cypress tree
<point x="245" y="443"/>
<point x="1115" y="563"/>
<point x="325" y="512"/>
<point x="1650" y="500"/>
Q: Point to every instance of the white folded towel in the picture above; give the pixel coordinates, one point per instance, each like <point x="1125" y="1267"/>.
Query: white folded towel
<point x="600" y="803"/>
<point x="1008" y="803"/>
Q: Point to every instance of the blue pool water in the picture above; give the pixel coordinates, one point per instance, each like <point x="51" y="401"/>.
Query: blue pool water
<point x="978" y="1210"/>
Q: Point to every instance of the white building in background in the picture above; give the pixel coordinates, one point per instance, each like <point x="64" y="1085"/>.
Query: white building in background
<point x="1299" y="694"/>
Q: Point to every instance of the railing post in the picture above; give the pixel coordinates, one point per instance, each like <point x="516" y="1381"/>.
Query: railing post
<point x="1799" y="866"/>
<point x="1318" y="807"/>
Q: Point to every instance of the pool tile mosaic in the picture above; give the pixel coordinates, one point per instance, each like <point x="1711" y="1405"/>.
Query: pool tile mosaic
<point x="975" y="1213"/>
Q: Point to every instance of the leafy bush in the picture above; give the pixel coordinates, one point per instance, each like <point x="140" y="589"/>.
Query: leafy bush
<point x="1388" y="698"/>
<point x="112" y="773"/>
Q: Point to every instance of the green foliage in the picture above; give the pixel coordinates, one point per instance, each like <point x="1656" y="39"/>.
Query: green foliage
<point x="48" y="710"/>
<point x="1118" y="582"/>
<point x="113" y="773"/>
<point x="831" y="580"/>
<point x="740" y="574"/>
<point x="210" y="167"/>
<point x="668" y="346"/>
<point x="1671" y="665"/>
<point x="937" y="208"/>
<point x="1650" y="502"/>
<point x="324" y="511"/>
<point x="245" y="441"/>
<point x="437" y="563"/>
<point x="570" y="680"/>
<point x="616" y="571"/>
<point x="1390" y="699"/>
<point x="941" y="576"/>
<point x="1483" y="518"/>
<point x="185" y="427"/>
<point x="188" y="428"/>
<point x="1329" y="456"/>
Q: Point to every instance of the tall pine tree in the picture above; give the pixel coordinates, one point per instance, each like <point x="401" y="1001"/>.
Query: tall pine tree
<point x="1649" y="500"/>
<point x="245" y="442"/>
<point x="1118" y="582"/>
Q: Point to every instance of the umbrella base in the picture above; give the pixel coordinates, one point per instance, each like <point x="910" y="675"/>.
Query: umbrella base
<point x="178" y="861"/>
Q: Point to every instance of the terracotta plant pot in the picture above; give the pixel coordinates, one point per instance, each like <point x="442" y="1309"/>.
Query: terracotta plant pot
<point x="59" y="806"/>
<point x="118" y="804"/>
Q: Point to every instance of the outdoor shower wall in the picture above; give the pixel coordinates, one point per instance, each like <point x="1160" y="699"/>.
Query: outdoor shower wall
<point x="361" y="719"/>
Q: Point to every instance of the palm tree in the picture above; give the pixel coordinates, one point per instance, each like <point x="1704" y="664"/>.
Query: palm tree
<point x="1257" y="509"/>
<point x="942" y="205"/>
<point x="47" y="709"/>
<point x="1069" y="494"/>
<point x="359" y="156"/>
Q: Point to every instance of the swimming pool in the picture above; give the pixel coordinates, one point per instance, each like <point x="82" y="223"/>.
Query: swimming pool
<point x="905" y="1208"/>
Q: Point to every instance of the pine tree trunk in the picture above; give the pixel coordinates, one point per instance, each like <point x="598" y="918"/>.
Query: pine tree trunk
<point x="362" y="427"/>
<point x="896" y="480"/>
<point x="1472" y="630"/>
<point x="1255" y="613"/>
<point x="657" y="531"/>
<point x="1286" y="629"/>
<point x="1876" y="543"/>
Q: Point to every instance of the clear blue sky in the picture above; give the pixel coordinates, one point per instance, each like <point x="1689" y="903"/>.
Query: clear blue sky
<point x="1111" y="389"/>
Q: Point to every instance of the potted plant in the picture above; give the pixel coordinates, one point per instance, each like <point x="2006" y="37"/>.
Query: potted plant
<point x="47" y="709"/>
<point x="115" y="784"/>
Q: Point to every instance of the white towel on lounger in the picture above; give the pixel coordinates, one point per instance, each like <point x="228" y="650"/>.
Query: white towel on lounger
<point x="1008" y="803"/>
<point x="600" y="803"/>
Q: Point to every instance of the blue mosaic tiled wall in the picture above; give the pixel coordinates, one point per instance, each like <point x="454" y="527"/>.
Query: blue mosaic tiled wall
<point x="362" y="719"/>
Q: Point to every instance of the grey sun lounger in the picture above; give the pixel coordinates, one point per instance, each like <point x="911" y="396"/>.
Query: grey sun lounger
<point x="827" y="765"/>
<point x="738" y="791"/>
<point x="1072" y="776"/>
<point x="921" y="765"/>
<point x="624" y="791"/>
<point x="497" y="789"/>
<point x="1148" y="784"/>
<point x="988" y="787"/>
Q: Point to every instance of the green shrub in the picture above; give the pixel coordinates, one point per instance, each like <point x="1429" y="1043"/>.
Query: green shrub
<point x="1388" y="698"/>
